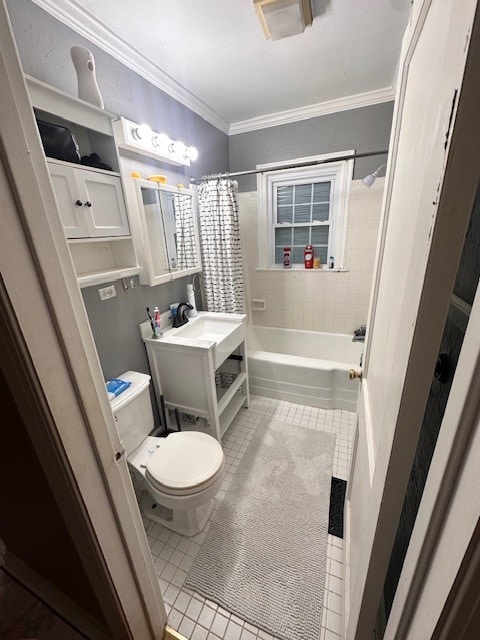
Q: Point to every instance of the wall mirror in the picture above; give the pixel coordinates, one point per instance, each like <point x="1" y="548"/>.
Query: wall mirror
<point x="170" y="246"/>
<point x="181" y="236"/>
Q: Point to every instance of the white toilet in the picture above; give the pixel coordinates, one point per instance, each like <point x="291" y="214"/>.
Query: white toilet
<point x="180" y="474"/>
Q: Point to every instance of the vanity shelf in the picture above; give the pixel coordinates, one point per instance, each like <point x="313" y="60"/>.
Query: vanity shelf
<point x="99" y="260"/>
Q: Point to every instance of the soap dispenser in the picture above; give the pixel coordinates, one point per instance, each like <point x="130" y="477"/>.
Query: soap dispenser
<point x="191" y="299"/>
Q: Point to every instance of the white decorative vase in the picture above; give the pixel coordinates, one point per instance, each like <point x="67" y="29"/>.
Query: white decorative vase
<point x="84" y="64"/>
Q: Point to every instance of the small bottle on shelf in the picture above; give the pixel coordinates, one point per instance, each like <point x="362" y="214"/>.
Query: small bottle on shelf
<point x="287" y="257"/>
<point x="331" y="263"/>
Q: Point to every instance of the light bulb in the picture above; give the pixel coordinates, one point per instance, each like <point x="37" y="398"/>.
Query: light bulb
<point x="177" y="147"/>
<point x="161" y="140"/>
<point x="141" y="132"/>
<point x="370" y="179"/>
<point x="191" y="153"/>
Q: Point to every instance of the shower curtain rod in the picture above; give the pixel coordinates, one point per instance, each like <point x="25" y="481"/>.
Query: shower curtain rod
<point x="296" y="165"/>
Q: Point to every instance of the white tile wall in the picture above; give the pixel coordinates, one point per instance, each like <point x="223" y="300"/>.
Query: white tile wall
<point x="335" y="302"/>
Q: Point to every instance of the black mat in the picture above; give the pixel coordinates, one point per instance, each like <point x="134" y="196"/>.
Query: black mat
<point x="337" y="501"/>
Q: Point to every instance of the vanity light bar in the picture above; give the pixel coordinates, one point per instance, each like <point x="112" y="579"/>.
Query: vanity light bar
<point x="141" y="139"/>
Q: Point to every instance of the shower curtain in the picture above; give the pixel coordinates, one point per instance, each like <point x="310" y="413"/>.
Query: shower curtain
<point x="185" y="232"/>
<point x="220" y="243"/>
<point x="221" y="253"/>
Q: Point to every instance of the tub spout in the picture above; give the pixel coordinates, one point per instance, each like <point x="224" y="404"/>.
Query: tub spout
<point x="359" y="334"/>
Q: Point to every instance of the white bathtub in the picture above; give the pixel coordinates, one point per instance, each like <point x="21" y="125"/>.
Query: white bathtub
<point x="306" y="367"/>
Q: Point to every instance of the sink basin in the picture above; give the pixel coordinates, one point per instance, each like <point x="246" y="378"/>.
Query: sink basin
<point x="225" y="330"/>
<point x="206" y="328"/>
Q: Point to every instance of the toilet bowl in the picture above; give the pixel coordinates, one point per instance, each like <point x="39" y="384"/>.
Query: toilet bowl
<point x="179" y="475"/>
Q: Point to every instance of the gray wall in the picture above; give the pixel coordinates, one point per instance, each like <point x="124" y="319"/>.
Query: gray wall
<point x="44" y="47"/>
<point x="364" y="129"/>
<point x="114" y="324"/>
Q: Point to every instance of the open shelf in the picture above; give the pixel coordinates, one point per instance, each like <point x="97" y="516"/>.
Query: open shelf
<point x="224" y="396"/>
<point x="103" y="260"/>
<point x="231" y="411"/>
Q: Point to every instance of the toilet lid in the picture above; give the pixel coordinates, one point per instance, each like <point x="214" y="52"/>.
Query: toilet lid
<point x="185" y="459"/>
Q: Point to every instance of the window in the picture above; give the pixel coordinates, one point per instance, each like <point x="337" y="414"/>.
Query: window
<point x="304" y="206"/>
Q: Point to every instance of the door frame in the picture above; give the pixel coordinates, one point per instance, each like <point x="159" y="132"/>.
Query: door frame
<point x="54" y="373"/>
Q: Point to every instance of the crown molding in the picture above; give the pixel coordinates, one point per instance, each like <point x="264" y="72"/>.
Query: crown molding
<point x="83" y="22"/>
<point x="313" y="110"/>
<point x="87" y="26"/>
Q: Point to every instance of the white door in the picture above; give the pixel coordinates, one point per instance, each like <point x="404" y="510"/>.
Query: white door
<point x="431" y="182"/>
<point x="70" y="200"/>
<point x="105" y="203"/>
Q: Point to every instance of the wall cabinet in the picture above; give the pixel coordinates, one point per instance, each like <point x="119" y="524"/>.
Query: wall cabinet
<point x="167" y="240"/>
<point x="90" y="201"/>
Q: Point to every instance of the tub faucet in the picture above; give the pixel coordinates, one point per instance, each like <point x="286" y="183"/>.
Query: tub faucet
<point x="359" y="334"/>
<point x="181" y="317"/>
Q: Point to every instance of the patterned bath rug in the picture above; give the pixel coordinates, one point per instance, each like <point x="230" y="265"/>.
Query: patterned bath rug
<point x="264" y="557"/>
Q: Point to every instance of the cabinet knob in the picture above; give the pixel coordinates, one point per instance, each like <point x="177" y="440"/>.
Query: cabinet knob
<point x="78" y="203"/>
<point x="88" y="203"/>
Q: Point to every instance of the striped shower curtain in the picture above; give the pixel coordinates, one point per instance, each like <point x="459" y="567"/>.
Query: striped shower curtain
<point x="220" y="243"/>
<point x="221" y="253"/>
<point x="185" y="232"/>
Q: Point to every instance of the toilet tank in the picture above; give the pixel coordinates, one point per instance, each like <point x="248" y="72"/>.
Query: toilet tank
<point x="132" y="410"/>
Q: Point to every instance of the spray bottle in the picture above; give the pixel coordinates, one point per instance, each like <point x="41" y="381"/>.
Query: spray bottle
<point x="191" y="299"/>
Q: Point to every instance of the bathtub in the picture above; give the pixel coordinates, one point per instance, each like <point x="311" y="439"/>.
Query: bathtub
<point x="306" y="367"/>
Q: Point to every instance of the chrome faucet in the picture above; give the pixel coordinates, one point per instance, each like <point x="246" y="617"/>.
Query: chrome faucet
<point x="181" y="317"/>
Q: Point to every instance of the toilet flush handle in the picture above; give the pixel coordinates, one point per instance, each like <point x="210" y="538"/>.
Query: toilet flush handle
<point x="119" y="454"/>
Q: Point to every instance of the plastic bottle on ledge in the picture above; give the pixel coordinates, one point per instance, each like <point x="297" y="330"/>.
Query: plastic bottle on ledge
<point x="193" y="313"/>
<point x="308" y="257"/>
<point x="157" y="333"/>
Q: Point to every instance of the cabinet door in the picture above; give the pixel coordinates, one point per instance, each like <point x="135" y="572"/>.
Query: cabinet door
<point x="107" y="215"/>
<point x="70" y="200"/>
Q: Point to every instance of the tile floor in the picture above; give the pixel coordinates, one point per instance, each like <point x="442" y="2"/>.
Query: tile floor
<point x="200" y="619"/>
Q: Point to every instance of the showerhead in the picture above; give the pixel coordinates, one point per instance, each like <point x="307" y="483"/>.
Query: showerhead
<point x="370" y="179"/>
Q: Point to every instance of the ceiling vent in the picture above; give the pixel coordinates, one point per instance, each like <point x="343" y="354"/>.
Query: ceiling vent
<point x="283" y="18"/>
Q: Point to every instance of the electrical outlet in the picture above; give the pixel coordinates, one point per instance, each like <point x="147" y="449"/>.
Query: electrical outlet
<point x="107" y="292"/>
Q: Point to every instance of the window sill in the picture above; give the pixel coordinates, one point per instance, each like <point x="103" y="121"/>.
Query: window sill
<point x="326" y="270"/>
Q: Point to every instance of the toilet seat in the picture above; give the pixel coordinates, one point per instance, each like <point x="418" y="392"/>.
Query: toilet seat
<point x="187" y="462"/>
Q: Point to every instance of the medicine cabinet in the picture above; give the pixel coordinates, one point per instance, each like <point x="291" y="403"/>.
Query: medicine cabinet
<point x="168" y="241"/>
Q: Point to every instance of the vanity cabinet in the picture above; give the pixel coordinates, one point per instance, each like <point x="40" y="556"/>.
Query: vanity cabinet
<point x="168" y="240"/>
<point x="90" y="201"/>
<point x="201" y="369"/>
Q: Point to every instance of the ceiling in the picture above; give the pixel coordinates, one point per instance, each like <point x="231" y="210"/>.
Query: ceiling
<point x="214" y="57"/>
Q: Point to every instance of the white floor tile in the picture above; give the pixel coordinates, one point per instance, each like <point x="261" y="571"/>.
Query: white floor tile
<point x="201" y="619"/>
